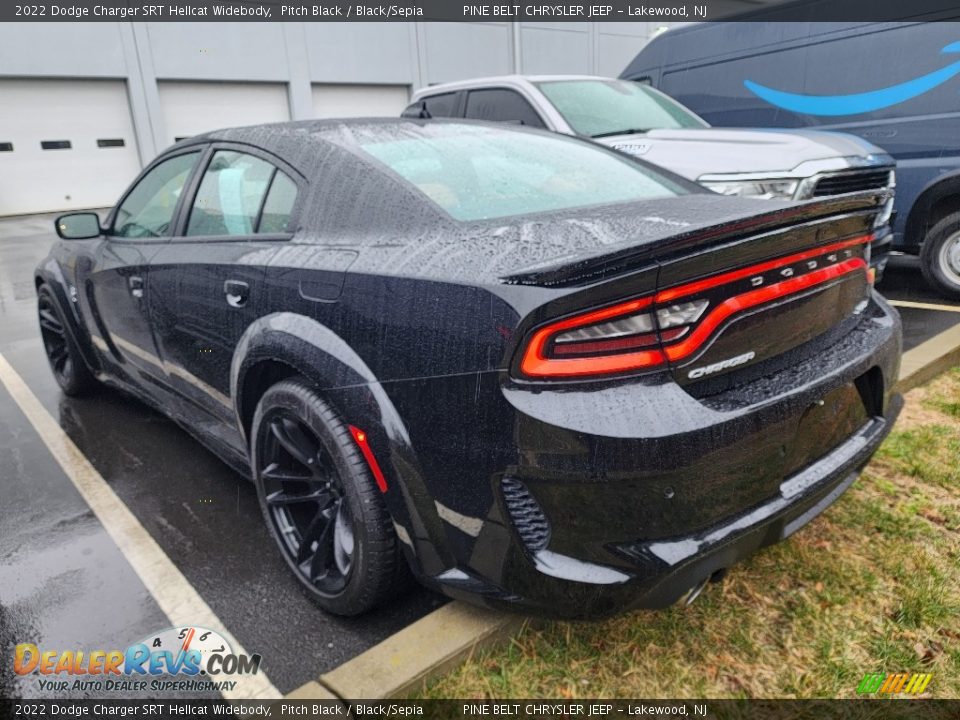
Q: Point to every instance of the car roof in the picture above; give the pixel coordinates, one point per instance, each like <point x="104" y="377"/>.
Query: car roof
<point x="299" y="142"/>
<point x="309" y="131"/>
<point x="311" y="147"/>
<point x="507" y="80"/>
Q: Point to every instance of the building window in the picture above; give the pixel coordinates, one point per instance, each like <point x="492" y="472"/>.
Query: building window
<point x="6" y="147"/>
<point x="55" y="144"/>
<point x="111" y="142"/>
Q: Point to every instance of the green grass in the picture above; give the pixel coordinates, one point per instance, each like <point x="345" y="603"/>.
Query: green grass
<point x="873" y="585"/>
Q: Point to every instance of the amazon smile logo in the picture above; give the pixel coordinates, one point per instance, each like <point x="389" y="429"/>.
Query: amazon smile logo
<point x="857" y="103"/>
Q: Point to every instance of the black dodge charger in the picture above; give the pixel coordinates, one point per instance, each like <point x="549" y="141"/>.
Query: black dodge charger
<point x="539" y="373"/>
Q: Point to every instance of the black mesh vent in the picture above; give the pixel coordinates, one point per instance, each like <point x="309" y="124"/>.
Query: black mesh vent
<point x="527" y="516"/>
<point x="852" y="182"/>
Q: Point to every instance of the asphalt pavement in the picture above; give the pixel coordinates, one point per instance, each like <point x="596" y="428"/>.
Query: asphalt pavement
<point x="65" y="583"/>
<point x="925" y="314"/>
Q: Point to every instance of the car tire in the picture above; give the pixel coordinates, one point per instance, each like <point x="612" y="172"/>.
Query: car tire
<point x="320" y="502"/>
<point x="69" y="368"/>
<point x="940" y="257"/>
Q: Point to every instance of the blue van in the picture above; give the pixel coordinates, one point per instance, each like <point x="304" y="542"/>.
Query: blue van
<point x="896" y="84"/>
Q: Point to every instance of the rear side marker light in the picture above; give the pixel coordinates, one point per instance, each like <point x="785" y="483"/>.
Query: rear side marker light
<point x="360" y="438"/>
<point x="646" y="333"/>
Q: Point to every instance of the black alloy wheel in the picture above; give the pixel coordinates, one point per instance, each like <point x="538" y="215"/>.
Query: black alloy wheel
<point x="320" y="502"/>
<point x="69" y="368"/>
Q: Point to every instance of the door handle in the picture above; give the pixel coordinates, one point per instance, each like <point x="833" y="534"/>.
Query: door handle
<point x="237" y="293"/>
<point x="135" y="283"/>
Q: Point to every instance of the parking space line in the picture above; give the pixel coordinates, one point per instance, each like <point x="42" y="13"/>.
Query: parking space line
<point x="924" y="306"/>
<point x="173" y="593"/>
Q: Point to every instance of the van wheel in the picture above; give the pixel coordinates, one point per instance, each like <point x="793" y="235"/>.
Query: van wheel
<point x="940" y="256"/>
<point x="320" y="502"/>
<point x="68" y="366"/>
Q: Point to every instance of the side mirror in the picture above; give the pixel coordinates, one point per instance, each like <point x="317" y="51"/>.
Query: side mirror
<point x="78" y="226"/>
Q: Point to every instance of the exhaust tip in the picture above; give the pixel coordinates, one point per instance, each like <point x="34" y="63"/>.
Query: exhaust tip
<point x="694" y="592"/>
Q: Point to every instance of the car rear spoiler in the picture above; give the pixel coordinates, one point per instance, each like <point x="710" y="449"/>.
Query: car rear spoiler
<point x="591" y="267"/>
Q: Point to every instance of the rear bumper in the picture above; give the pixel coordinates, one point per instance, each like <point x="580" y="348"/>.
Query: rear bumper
<point x="647" y="490"/>
<point x="666" y="570"/>
<point x="681" y="563"/>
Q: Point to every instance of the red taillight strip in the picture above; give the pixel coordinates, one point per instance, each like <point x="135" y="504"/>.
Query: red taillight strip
<point x="577" y="367"/>
<point x="729" y="277"/>
<point x="535" y="364"/>
<point x="757" y="297"/>
<point x="360" y="437"/>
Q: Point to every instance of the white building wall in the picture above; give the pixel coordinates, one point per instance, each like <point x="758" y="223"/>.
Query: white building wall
<point x="301" y="55"/>
<point x="324" y="69"/>
<point x="561" y="48"/>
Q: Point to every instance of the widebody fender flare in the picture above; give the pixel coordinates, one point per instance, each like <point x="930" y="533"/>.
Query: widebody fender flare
<point x="51" y="274"/>
<point x="340" y="374"/>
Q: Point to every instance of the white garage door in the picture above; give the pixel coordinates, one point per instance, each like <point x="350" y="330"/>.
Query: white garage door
<point x="359" y="100"/>
<point x="64" y="144"/>
<point x="191" y="108"/>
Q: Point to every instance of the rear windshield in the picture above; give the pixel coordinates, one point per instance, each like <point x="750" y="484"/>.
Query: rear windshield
<point x="477" y="173"/>
<point x="599" y="108"/>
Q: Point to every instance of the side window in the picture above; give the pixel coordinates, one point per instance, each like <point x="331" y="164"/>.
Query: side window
<point x="230" y="195"/>
<point x="437" y="106"/>
<point x="147" y="210"/>
<point x="278" y="205"/>
<point x="501" y="105"/>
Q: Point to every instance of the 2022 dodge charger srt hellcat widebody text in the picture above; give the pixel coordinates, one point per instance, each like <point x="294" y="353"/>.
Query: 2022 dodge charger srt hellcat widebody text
<point x="542" y="374"/>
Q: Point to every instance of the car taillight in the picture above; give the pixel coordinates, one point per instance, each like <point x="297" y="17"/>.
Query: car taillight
<point x="622" y="337"/>
<point x="682" y="314"/>
<point x="675" y="323"/>
<point x="613" y="339"/>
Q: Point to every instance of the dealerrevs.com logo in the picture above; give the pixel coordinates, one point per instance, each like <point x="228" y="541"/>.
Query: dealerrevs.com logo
<point x="184" y="659"/>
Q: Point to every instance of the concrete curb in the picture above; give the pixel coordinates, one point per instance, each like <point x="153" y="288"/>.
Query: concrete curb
<point x="929" y="359"/>
<point x="405" y="661"/>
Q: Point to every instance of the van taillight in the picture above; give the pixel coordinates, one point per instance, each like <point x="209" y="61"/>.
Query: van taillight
<point x="645" y="333"/>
